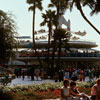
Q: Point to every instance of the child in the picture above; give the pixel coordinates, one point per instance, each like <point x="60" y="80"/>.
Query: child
<point x="65" y="91"/>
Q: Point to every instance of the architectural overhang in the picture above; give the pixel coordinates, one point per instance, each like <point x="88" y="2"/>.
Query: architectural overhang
<point x="82" y="44"/>
<point x="73" y="44"/>
<point x="66" y="59"/>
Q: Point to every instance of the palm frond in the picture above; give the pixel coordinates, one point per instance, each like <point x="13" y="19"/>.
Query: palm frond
<point x="50" y="5"/>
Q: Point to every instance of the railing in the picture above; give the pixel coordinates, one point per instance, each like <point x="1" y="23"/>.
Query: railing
<point x="64" y="55"/>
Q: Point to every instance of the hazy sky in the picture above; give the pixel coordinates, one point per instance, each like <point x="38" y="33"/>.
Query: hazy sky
<point x="23" y="19"/>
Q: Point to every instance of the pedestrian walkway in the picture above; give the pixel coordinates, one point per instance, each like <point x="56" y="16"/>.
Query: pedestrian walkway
<point x="27" y="80"/>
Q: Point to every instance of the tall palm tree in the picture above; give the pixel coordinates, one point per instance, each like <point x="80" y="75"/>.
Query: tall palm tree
<point x="60" y="5"/>
<point x="35" y="4"/>
<point x="61" y="37"/>
<point x="49" y="18"/>
<point x="79" y="4"/>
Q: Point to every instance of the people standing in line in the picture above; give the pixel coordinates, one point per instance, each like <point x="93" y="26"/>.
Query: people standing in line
<point x="28" y="72"/>
<point x="32" y="73"/>
<point x="90" y="75"/>
<point x="95" y="91"/>
<point x="67" y="73"/>
<point x="23" y="73"/>
<point x="16" y="72"/>
<point x="70" y="72"/>
<point x="83" y="74"/>
<point x="74" y="76"/>
<point x="20" y="72"/>
<point x="56" y="77"/>
<point x="37" y="75"/>
<point x="42" y="74"/>
<point x="61" y="75"/>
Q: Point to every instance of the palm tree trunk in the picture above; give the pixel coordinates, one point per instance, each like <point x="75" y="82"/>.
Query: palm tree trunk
<point x="34" y="46"/>
<point x="53" y="52"/>
<point x="59" y="54"/>
<point x="53" y="57"/>
<point x="33" y="31"/>
<point x="85" y="18"/>
<point x="49" y="40"/>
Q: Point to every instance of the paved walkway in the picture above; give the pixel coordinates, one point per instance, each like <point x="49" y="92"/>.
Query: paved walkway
<point x="19" y="81"/>
<point x="27" y="80"/>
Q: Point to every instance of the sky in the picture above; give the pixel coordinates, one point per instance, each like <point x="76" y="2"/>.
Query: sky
<point x="23" y="19"/>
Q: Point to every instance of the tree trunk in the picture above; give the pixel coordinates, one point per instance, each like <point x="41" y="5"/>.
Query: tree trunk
<point x="34" y="46"/>
<point x="59" y="54"/>
<point x="50" y="28"/>
<point x="53" y="57"/>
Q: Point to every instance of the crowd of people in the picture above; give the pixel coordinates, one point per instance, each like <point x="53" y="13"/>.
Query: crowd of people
<point x="64" y="53"/>
<point x="77" y="74"/>
<point x="32" y="73"/>
<point x="68" y="73"/>
<point x="69" y="76"/>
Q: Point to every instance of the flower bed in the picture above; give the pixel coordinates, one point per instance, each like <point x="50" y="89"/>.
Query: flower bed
<point x="40" y="91"/>
<point x="35" y="95"/>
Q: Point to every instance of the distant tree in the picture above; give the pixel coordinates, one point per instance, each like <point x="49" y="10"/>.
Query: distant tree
<point x="48" y="18"/>
<point x="61" y="37"/>
<point x="7" y="37"/>
<point x="61" y="6"/>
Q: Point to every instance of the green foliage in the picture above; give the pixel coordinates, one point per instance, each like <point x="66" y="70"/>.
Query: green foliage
<point x="7" y="36"/>
<point x="36" y="4"/>
<point x="5" y="95"/>
<point x="85" y="84"/>
<point x="39" y="91"/>
<point x="44" y="86"/>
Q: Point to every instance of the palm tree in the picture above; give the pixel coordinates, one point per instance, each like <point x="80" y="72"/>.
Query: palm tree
<point x="7" y="37"/>
<point x="35" y="4"/>
<point x="60" y="5"/>
<point x="61" y="37"/>
<point x="49" y="18"/>
<point x="79" y="4"/>
<point x="93" y="4"/>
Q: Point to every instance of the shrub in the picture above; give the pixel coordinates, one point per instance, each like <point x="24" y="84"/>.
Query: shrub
<point x="5" y="95"/>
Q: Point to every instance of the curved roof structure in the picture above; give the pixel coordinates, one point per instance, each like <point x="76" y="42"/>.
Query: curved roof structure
<point x="73" y="44"/>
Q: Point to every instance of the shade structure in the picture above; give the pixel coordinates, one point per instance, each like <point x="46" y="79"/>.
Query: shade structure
<point x="29" y="45"/>
<point x="16" y="62"/>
